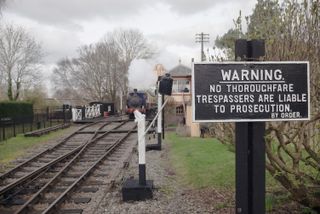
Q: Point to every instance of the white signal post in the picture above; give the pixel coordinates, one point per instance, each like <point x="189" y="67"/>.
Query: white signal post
<point x="141" y="189"/>
<point x="141" y="120"/>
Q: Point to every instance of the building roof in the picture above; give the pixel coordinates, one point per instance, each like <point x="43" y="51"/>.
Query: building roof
<point x="180" y="70"/>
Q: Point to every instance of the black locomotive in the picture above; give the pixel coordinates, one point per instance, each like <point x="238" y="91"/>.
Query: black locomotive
<point x="136" y="101"/>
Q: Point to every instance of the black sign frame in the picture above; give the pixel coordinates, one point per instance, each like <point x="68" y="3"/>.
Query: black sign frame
<point x="250" y="64"/>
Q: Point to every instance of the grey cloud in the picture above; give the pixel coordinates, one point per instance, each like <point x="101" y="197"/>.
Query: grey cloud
<point x="194" y="6"/>
<point x="56" y="43"/>
<point x="63" y="11"/>
<point x="184" y="36"/>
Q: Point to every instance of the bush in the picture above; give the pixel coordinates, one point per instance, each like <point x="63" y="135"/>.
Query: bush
<point x="291" y="33"/>
<point x="16" y="109"/>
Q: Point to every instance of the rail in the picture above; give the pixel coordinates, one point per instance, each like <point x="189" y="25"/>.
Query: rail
<point x="54" y="204"/>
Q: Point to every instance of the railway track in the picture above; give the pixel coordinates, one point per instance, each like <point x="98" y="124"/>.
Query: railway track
<point x="45" y="159"/>
<point x="73" y="160"/>
<point x="43" y="131"/>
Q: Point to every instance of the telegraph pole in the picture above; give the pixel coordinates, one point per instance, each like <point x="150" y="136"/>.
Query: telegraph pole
<point x="202" y="38"/>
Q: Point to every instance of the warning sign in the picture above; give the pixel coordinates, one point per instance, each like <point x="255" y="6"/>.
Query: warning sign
<point x="250" y="91"/>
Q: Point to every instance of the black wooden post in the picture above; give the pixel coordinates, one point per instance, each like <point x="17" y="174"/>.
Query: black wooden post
<point x="250" y="147"/>
<point x="64" y="113"/>
<point x="162" y="124"/>
<point x="44" y="121"/>
<point x="3" y="131"/>
<point x="14" y="127"/>
<point x="38" y="124"/>
<point x="47" y="113"/>
<point x="50" y="117"/>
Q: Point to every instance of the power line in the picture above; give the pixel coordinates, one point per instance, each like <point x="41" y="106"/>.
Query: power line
<point x="202" y="38"/>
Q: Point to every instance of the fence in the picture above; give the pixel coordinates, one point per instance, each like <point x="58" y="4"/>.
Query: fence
<point x="42" y="118"/>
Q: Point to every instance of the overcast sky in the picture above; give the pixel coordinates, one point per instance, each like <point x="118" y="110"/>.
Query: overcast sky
<point x="170" y="25"/>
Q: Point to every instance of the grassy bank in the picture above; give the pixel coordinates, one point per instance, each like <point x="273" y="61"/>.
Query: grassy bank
<point x="205" y="162"/>
<point x="16" y="146"/>
<point x="202" y="162"/>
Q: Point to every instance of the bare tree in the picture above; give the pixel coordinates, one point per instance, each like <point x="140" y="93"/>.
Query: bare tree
<point x="64" y="81"/>
<point x="100" y="72"/>
<point x="20" y="56"/>
<point x="113" y="66"/>
<point x="131" y="45"/>
<point x="2" y="93"/>
<point x="95" y="74"/>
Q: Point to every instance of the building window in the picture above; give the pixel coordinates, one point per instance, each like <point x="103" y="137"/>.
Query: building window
<point x="181" y="86"/>
<point x="179" y="110"/>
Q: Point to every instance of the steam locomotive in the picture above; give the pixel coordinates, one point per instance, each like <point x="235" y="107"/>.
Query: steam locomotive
<point x="136" y="101"/>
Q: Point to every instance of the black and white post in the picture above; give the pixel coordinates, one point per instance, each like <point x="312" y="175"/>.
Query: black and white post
<point x="141" y="120"/>
<point x="159" y="120"/>
<point x="141" y="189"/>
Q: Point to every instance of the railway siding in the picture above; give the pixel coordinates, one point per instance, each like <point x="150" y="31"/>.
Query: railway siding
<point x="44" y="181"/>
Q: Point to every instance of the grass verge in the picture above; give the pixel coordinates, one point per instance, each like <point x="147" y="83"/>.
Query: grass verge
<point x="205" y="162"/>
<point x="202" y="162"/>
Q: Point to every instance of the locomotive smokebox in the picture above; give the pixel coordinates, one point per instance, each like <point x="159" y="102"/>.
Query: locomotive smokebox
<point x="165" y="85"/>
<point x="135" y="101"/>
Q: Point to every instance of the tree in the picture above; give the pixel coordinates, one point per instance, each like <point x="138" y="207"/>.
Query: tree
<point x="293" y="148"/>
<point x="100" y="72"/>
<point x="226" y="42"/>
<point x="94" y="75"/>
<point x="2" y="94"/>
<point x="37" y="96"/>
<point x="20" y="56"/>
<point x="104" y="65"/>
<point x="63" y="79"/>
<point x="265" y="21"/>
<point x="291" y="32"/>
<point x="131" y="45"/>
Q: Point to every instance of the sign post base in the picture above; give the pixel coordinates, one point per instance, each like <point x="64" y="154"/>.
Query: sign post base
<point x="132" y="190"/>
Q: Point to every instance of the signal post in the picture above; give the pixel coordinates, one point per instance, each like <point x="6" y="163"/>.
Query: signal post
<point x="141" y="189"/>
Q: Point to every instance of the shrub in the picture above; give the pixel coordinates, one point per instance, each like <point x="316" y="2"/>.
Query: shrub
<point x="15" y="109"/>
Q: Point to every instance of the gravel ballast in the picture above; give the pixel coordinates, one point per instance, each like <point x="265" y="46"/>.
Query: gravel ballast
<point x="169" y="195"/>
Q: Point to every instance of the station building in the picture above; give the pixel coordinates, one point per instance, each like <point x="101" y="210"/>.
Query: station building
<point x="180" y="105"/>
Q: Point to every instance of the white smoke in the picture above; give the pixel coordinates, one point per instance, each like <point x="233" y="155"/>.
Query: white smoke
<point x="141" y="75"/>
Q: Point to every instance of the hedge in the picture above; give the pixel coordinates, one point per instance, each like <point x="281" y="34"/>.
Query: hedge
<point x="15" y="109"/>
